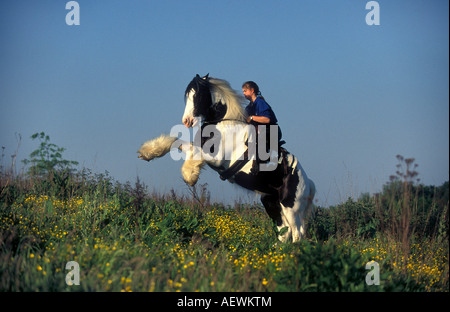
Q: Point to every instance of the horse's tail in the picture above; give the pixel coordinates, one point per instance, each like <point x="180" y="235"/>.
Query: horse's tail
<point x="157" y="147"/>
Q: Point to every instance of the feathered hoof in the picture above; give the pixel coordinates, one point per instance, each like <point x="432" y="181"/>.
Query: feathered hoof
<point x="143" y="157"/>
<point x="191" y="171"/>
<point x="156" y="148"/>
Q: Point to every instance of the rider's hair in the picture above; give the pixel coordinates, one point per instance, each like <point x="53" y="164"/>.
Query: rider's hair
<point x="254" y="86"/>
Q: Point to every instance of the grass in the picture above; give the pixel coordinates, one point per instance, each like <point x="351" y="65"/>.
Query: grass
<point x="125" y="239"/>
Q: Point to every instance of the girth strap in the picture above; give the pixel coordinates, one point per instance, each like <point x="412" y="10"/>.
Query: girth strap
<point x="235" y="167"/>
<point x="238" y="164"/>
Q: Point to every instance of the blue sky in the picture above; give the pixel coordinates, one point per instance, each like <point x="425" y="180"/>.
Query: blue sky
<point x="348" y="96"/>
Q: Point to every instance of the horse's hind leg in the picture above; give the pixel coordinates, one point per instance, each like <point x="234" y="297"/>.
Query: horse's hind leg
<point x="273" y="208"/>
<point x="297" y="214"/>
<point x="306" y="205"/>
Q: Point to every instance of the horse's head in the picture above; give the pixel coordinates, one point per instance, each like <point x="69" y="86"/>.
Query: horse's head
<point x="212" y="100"/>
<point x="198" y="100"/>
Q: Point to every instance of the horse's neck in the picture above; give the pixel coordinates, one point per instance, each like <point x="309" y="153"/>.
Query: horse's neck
<point x="218" y="110"/>
<point x="229" y="103"/>
<point x="217" y="97"/>
<point x="216" y="113"/>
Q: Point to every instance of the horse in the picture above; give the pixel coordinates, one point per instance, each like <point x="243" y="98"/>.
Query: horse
<point x="286" y="191"/>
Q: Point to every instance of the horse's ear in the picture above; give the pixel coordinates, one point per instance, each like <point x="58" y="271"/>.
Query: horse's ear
<point x="206" y="77"/>
<point x="197" y="76"/>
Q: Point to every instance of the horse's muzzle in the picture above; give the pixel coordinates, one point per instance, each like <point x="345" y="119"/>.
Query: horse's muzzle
<point x="188" y="122"/>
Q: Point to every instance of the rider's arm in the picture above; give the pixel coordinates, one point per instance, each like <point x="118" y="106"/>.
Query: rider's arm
<point x="259" y="119"/>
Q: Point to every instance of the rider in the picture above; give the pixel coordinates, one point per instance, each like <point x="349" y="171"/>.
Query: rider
<point x="259" y="112"/>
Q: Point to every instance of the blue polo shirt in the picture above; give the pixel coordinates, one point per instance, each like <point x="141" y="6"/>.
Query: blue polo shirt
<point x="260" y="108"/>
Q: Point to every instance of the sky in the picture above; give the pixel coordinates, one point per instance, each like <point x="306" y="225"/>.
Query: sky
<point x="348" y="96"/>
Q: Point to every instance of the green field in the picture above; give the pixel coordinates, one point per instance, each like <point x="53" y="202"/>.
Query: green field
<point x="125" y="239"/>
<point x="63" y="229"/>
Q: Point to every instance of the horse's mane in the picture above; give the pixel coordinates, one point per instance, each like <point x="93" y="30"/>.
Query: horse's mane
<point x="221" y="91"/>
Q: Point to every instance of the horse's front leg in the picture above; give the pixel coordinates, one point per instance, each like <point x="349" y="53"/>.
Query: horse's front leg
<point x="163" y="144"/>
<point x="193" y="163"/>
<point x="156" y="148"/>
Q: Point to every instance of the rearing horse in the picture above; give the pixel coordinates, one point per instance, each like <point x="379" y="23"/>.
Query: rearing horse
<point x="286" y="191"/>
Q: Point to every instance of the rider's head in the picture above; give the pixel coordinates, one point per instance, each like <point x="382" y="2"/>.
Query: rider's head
<point x="250" y="90"/>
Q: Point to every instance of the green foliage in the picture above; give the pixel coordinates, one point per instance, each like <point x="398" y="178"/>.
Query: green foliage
<point x="47" y="158"/>
<point x="126" y="239"/>
<point x="402" y="210"/>
<point x="325" y="267"/>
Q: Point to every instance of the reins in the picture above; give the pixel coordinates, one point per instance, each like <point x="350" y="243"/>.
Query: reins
<point x="215" y="122"/>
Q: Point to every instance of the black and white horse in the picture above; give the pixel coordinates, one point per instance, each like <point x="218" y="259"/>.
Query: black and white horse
<point x="225" y="143"/>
